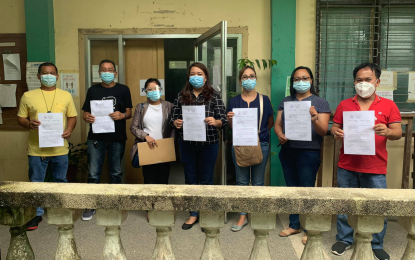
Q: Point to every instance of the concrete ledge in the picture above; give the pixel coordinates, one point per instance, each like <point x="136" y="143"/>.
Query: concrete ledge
<point x="319" y="201"/>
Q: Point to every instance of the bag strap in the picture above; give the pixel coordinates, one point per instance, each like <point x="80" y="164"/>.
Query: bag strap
<point x="261" y="109"/>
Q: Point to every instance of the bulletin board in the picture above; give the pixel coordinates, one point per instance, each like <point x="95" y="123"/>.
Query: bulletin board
<point x="6" y="47"/>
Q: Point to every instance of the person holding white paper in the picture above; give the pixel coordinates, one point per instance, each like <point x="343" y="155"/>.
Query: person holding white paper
<point x="58" y="106"/>
<point x="151" y="123"/>
<point x="300" y="160"/>
<point x="198" y="157"/>
<point x="365" y="171"/>
<point x="107" y="140"/>
<point x="250" y="100"/>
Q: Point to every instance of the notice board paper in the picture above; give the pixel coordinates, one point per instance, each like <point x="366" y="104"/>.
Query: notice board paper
<point x="11" y="63"/>
<point x="165" y="152"/>
<point x="8" y="95"/>
<point x="31" y="75"/>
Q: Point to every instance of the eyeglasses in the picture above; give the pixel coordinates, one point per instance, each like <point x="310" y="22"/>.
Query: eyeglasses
<point x="301" y="79"/>
<point x="110" y="70"/>
<point x="248" y="77"/>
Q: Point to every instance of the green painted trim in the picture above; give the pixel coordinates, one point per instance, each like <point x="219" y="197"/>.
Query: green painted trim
<point x="283" y="18"/>
<point x="40" y="30"/>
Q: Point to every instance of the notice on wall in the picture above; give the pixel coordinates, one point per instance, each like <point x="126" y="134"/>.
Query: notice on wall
<point x="411" y="87"/>
<point x="8" y="95"/>
<point x="31" y="75"/>
<point x="385" y="94"/>
<point x="229" y="59"/>
<point x="143" y="89"/>
<point x="95" y="74"/>
<point x="388" y="81"/>
<point x="11" y="64"/>
<point x="287" y="86"/>
<point x="69" y="82"/>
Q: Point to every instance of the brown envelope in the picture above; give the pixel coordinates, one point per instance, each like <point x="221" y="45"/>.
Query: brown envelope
<point x="165" y="152"/>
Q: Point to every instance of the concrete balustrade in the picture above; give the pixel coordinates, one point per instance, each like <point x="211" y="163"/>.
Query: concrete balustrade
<point x="366" y="210"/>
<point x="315" y="225"/>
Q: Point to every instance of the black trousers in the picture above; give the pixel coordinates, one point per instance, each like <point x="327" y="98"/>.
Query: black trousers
<point x="156" y="173"/>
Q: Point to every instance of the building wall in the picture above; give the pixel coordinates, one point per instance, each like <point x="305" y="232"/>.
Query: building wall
<point x="13" y="155"/>
<point x="75" y="14"/>
<point x="305" y="56"/>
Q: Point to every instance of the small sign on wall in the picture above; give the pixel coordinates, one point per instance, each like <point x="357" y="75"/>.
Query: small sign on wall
<point x="143" y="90"/>
<point x="69" y="82"/>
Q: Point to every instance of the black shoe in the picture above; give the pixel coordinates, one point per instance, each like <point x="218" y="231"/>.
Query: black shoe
<point x="339" y="248"/>
<point x="189" y="226"/>
<point x="380" y="254"/>
<point x="34" y="223"/>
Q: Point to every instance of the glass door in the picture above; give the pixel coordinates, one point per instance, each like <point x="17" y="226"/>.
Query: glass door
<point x="211" y="50"/>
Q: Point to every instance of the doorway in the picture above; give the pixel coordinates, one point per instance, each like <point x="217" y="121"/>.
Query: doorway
<point x="166" y="57"/>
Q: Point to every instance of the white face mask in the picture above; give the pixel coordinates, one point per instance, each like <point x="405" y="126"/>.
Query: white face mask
<point x="365" y="89"/>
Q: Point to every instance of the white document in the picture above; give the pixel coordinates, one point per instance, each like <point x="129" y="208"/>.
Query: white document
<point x="69" y="82"/>
<point x="11" y="63"/>
<point x="31" y="75"/>
<point x="245" y="127"/>
<point x="8" y="95"/>
<point x="101" y="109"/>
<point x="50" y="130"/>
<point x="95" y="74"/>
<point x="297" y="120"/>
<point x="143" y="89"/>
<point x="359" y="136"/>
<point x="194" y="126"/>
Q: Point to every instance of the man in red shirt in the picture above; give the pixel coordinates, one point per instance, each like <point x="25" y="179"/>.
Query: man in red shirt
<point x="365" y="171"/>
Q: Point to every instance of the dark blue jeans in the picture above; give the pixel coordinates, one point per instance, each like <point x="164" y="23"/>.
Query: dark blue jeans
<point x="255" y="173"/>
<point x="350" y="179"/>
<point x="300" y="167"/>
<point x="198" y="163"/>
<point x="96" y="157"/>
<point x="38" y="167"/>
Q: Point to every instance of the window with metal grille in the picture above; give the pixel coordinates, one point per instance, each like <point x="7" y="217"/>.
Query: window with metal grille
<point x="356" y="31"/>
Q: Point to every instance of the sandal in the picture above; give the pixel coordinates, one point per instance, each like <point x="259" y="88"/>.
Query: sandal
<point x="286" y="232"/>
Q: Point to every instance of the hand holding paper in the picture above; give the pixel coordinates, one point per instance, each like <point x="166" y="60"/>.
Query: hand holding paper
<point x="297" y="120"/>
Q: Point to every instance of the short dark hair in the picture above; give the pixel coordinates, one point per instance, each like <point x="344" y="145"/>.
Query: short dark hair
<point x="152" y="80"/>
<point x="46" y="64"/>
<point x="107" y="61"/>
<point x="241" y="72"/>
<point x="373" y="66"/>
<point x="292" y="90"/>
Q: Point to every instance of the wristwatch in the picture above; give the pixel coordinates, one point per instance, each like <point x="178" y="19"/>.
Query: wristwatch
<point x="125" y="116"/>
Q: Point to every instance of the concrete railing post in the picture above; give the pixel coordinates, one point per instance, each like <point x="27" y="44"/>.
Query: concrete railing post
<point x="365" y="226"/>
<point x="409" y="224"/>
<point x="211" y="222"/>
<point x="64" y="219"/>
<point x="112" y="219"/>
<point x="16" y="218"/>
<point x="162" y="221"/>
<point x="261" y="223"/>
<point x="314" y="224"/>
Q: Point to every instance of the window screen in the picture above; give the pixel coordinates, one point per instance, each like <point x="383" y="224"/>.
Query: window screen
<point x="353" y="32"/>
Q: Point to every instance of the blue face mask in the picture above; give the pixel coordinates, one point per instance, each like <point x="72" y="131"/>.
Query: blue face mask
<point x="249" y="84"/>
<point x="48" y="80"/>
<point x="154" y="95"/>
<point x="107" y="77"/>
<point x="197" y="81"/>
<point x="302" y="86"/>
